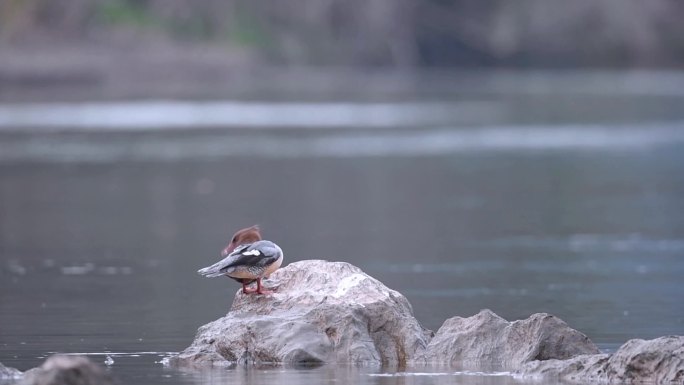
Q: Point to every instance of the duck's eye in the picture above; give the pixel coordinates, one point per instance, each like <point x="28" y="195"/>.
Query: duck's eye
<point x="234" y="240"/>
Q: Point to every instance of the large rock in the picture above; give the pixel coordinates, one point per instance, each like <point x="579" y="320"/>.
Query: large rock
<point x="489" y="340"/>
<point x="7" y="373"/>
<point x="333" y="312"/>
<point x="637" y="361"/>
<point x="322" y="312"/>
<point x="67" y="370"/>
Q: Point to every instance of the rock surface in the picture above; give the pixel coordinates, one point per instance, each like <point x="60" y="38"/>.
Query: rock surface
<point x="488" y="338"/>
<point x="328" y="312"/>
<point x="660" y="360"/>
<point x="67" y="370"/>
<point x="322" y="312"/>
<point x="8" y="373"/>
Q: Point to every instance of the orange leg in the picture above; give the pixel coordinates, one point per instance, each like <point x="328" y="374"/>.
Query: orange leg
<point x="246" y="290"/>
<point x="261" y="290"/>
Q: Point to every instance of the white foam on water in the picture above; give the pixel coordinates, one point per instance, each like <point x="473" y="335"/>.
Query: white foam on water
<point x="115" y="354"/>
<point x="408" y="374"/>
<point x="489" y="374"/>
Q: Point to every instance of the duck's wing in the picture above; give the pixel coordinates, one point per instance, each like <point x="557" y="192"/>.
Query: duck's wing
<point x="218" y="269"/>
<point x="257" y="254"/>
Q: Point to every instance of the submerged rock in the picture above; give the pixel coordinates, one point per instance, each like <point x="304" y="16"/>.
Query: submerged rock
<point x="67" y="370"/>
<point x="490" y="339"/>
<point x="660" y="360"/>
<point x="9" y="373"/>
<point x="322" y="312"/>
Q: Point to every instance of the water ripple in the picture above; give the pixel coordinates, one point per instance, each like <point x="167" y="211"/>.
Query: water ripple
<point x="341" y="143"/>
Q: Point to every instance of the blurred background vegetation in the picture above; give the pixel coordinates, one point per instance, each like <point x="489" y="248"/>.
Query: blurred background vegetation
<point x="395" y="33"/>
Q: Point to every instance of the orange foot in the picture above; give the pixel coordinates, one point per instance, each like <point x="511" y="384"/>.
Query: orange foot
<point x="261" y="290"/>
<point x="246" y="290"/>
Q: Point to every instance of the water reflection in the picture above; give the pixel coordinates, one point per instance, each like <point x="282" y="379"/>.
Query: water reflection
<point x="341" y="374"/>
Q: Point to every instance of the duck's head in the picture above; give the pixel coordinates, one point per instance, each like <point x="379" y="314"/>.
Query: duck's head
<point x="246" y="235"/>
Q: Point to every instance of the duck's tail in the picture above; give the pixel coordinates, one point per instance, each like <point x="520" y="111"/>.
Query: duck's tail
<point x="211" y="271"/>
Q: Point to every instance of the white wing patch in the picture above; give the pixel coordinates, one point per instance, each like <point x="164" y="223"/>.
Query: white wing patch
<point x="254" y="252"/>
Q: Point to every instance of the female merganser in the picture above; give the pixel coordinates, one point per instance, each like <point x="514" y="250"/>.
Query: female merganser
<point x="246" y="259"/>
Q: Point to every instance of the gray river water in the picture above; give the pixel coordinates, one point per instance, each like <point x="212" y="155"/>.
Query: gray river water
<point x="567" y="204"/>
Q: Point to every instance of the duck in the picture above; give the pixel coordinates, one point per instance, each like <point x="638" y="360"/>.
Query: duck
<point x="246" y="259"/>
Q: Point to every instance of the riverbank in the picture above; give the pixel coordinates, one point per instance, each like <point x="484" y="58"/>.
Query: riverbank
<point x="208" y="72"/>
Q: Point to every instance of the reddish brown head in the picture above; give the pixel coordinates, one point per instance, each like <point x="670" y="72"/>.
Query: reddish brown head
<point x="246" y="235"/>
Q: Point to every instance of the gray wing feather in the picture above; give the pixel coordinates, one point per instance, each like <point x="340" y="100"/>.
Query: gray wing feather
<point x="217" y="269"/>
<point x="261" y="254"/>
<point x="269" y="250"/>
